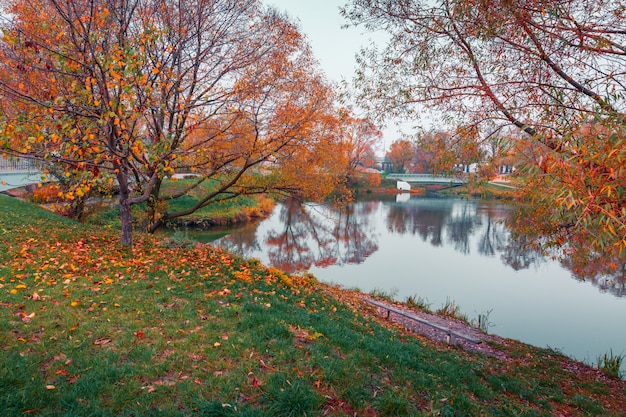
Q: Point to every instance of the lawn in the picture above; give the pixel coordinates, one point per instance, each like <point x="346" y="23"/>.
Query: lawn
<point x="90" y="328"/>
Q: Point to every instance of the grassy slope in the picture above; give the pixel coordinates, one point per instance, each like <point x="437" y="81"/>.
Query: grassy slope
<point x="89" y="328"/>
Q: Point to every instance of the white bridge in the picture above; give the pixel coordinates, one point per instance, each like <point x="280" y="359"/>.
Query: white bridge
<point x="427" y="179"/>
<point x="17" y="172"/>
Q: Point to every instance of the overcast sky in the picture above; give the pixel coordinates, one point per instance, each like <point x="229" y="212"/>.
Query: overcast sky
<point x="321" y="22"/>
<point x="333" y="46"/>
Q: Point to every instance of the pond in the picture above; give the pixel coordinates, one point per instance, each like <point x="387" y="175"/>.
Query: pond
<point x="443" y="250"/>
<point x="9" y="180"/>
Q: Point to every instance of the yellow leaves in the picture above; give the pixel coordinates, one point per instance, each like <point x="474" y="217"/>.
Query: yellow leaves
<point x="243" y="275"/>
<point x="223" y="292"/>
<point x="611" y="230"/>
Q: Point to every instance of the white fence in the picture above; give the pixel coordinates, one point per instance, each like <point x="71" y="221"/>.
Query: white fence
<point x="9" y="165"/>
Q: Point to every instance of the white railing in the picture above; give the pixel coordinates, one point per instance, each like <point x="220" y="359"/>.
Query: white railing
<point x="9" y="165"/>
<point x="426" y="178"/>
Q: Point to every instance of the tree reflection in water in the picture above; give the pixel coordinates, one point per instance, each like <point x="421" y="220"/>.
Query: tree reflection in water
<point x="321" y="236"/>
<point x="450" y="222"/>
<point x="315" y="236"/>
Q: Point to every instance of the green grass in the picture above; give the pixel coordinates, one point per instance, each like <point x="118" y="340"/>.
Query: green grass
<point x="225" y="211"/>
<point x="611" y="363"/>
<point x="418" y="302"/>
<point x="451" y="309"/>
<point x="90" y="328"/>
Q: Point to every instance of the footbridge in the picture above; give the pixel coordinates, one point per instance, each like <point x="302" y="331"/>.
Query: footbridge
<point x="427" y="179"/>
<point x="16" y="173"/>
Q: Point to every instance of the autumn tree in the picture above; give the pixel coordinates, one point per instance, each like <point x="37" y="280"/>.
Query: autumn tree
<point x="552" y="69"/>
<point x="499" y="151"/>
<point x="131" y="90"/>
<point x="442" y="152"/>
<point x="362" y="138"/>
<point x="400" y="153"/>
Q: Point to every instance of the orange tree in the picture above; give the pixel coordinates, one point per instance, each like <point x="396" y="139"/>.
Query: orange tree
<point x="362" y="138"/>
<point x="441" y="152"/>
<point x="130" y="90"/>
<point x="552" y="69"/>
<point x="400" y="153"/>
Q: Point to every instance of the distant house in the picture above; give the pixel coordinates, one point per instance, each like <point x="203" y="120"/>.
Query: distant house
<point x="383" y="163"/>
<point x="506" y="169"/>
<point x="467" y="168"/>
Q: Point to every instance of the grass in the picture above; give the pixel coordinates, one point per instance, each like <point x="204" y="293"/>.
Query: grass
<point x="219" y="212"/>
<point x="482" y="321"/>
<point x="384" y="294"/>
<point x="483" y="190"/>
<point x="611" y="364"/>
<point x="451" y="309"/>
<point x="91" y="328"/>
<point x="418" y="302"/>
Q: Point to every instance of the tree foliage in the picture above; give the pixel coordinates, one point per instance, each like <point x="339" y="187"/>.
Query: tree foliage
<point x="552" y="69"/>
<point x="363" y="138"/>
<point x="400" y="153"/>
<point x="134" y="90"/>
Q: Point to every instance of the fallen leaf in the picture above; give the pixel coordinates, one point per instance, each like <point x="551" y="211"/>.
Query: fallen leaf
<point x="28" y="317"/>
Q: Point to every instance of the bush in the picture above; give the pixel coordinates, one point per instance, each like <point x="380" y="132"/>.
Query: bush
<point x="47" y="193"/>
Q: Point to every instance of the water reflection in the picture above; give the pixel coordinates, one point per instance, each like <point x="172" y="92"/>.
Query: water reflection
<point x="299" y="237"/>
<point x="304" y="236"/>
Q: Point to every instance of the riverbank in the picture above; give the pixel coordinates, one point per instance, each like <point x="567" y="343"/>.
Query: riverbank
<point x="497" y="190"/>
<point x="90" y="328"/>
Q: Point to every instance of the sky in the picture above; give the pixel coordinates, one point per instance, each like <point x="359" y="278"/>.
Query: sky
<point x="334" y="47"/>
<point x="321" y="22"/>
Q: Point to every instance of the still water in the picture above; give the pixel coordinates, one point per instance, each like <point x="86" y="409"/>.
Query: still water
<point x="444" y="250"/>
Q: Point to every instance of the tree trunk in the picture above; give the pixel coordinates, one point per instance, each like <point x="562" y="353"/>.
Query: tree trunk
<point x="127" y="223"/>
<point x="152" y="209"/>
<point x="125" y="212"/>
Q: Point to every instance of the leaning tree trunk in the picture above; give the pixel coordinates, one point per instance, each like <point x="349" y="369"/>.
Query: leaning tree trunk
<point x="152" y="209"/>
